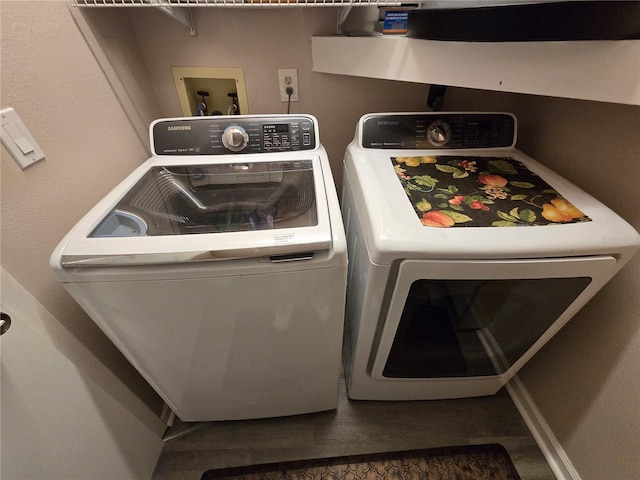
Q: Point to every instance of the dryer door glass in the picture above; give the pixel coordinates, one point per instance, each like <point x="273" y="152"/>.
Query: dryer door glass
<point x="452" y="328"/>
<point x="232" y="197"/>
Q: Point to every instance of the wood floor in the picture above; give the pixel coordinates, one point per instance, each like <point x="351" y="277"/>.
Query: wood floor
<point x="355" y="427"/>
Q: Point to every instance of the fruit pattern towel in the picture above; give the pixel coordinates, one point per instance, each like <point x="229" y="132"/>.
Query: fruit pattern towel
<point x="466" y="191"/>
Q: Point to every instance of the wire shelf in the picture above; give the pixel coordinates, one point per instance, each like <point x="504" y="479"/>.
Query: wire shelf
<point x="180" y="10"/>
<point x="233" y="3"/>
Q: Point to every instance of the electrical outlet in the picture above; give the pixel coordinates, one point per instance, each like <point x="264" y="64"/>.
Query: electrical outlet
<point x="288" y="77"/>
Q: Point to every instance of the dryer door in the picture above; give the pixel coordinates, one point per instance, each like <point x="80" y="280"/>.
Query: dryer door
<point x="480" y="318"/>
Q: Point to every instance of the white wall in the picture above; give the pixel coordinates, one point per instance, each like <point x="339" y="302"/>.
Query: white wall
<point x="585" y="380"/>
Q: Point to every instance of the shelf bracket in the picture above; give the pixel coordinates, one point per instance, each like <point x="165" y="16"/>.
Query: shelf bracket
<point x="343" y="13"/>
<point x="181" y="14"/>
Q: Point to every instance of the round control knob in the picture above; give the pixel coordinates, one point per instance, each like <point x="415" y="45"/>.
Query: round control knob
<point x="235" y="138"/>
<point x="439" y="133"/>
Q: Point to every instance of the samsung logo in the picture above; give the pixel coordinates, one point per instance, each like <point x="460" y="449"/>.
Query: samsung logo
<point x="383" y="123"/>
<point x="173" y="128"/>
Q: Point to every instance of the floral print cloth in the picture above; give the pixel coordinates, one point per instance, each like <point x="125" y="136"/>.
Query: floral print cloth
<point x="467" y="191"/>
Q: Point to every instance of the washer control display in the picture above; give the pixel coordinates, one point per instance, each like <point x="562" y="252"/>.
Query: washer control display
<point x="225" y="135"/>
<point x="439" y="131"/>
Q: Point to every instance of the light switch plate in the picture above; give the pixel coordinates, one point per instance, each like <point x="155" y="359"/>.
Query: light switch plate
<point x="18" y="140"/>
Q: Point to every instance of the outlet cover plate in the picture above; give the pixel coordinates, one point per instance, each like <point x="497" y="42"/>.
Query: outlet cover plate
<point x="288" y="77"/>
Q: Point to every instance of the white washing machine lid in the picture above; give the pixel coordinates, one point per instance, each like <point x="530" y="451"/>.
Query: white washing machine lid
<point x="476" y="206"/>
<point x="202" y="208"/>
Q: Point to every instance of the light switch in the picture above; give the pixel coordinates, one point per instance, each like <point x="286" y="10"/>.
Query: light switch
<point x="17" y="136"/>
<point x="18" y="140"/>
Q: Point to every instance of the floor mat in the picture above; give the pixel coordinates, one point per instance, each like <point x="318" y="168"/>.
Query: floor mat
<point x="470" y="462"/>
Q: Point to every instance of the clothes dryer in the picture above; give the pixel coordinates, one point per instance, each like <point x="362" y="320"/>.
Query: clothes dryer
<point x="218" y="267"/>
<point x="466" y="255"/>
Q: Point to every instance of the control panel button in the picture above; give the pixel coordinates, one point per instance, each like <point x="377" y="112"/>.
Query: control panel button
<point x="235" y="138"/>
<point x="439" y="133"/>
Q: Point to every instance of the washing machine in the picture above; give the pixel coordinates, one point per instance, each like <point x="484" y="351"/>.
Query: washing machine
<point x="465" y="255"/>
<point x="218" y="267"/>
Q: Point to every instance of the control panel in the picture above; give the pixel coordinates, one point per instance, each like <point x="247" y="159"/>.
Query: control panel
<point x="237" y="134"/>
<point x="439" y="131"/>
